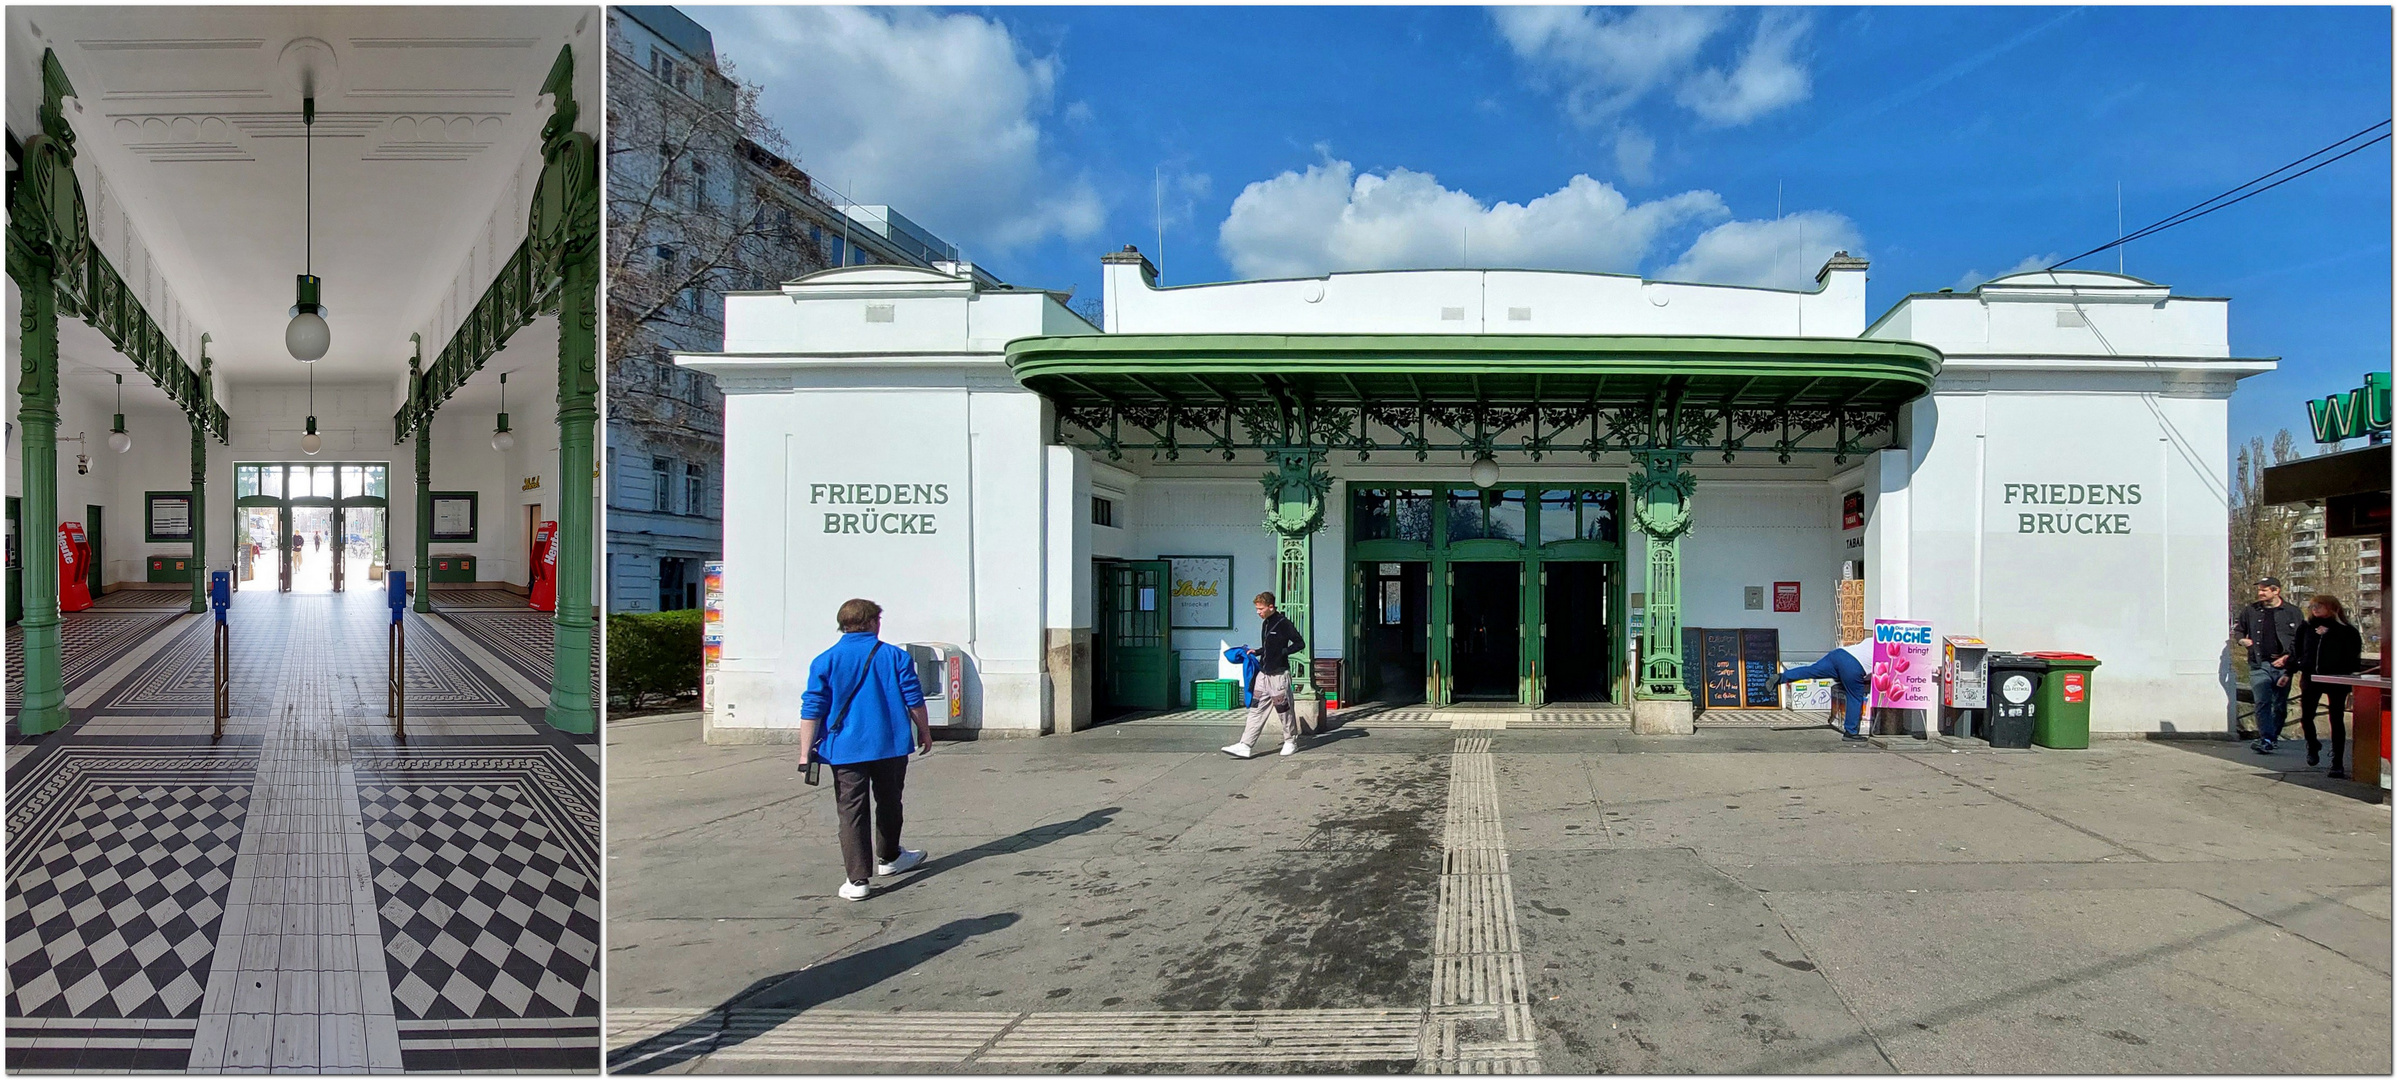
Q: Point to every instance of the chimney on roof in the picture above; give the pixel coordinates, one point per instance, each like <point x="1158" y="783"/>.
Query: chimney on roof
<point x="1840" y="260"/>
<point x="1131" y="255"/>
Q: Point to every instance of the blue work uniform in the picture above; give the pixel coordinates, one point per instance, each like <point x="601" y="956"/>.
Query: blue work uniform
<point x="1855" y="683"/>
<point x="883" y="678"/>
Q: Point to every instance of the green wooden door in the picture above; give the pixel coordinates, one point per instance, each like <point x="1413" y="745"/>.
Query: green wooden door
<point x="1140" y="669"/>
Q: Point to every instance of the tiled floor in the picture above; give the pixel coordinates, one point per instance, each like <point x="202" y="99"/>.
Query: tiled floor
<point x="310" y="894"/>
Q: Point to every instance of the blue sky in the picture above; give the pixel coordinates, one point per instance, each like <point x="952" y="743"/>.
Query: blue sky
<point x="1948" y="145"/>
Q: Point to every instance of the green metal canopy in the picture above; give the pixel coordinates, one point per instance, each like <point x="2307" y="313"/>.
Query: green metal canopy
<point x="1476" y="394"/>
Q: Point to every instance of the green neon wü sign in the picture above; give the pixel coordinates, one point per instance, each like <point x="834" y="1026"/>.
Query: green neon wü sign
<point x="2361" y="412"/>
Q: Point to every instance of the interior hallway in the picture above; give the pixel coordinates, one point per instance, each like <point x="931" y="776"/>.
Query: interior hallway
<point x="310" y="893"/>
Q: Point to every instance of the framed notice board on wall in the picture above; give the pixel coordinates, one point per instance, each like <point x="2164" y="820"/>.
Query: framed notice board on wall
<point x="166" y="517"/>
<point x="454" y="514"/>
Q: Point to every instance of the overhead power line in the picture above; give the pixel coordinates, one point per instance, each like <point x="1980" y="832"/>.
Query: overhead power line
<point x="2225" y="200"/>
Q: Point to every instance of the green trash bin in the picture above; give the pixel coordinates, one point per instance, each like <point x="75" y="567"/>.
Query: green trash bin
<point x="2063" y="718"/>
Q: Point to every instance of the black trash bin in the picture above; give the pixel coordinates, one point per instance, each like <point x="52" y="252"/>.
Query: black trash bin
<point x="2013" y="698"/>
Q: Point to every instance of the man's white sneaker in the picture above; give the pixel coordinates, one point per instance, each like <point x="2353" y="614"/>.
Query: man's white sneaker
<point x="1289" y="747"/>
<point x="907" y="860"/>
<point x="855" y="890"/>
<point x="1239" y="750"/>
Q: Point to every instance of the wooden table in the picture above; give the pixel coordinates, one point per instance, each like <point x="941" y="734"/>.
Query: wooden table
<point x="2369" y="710"/>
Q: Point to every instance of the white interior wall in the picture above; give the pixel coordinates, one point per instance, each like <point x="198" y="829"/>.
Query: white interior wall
<point x="1173" y="516"/>
<point x="1748" y="533"/>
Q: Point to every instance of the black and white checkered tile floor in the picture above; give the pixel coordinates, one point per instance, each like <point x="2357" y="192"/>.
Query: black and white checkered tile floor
<point x="309" y="894"/>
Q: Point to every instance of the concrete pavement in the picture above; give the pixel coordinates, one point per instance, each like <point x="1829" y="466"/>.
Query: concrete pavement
<point x="1402" y="899"/>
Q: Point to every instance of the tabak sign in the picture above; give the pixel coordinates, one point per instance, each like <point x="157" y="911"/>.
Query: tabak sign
<point x="879" y="509"/>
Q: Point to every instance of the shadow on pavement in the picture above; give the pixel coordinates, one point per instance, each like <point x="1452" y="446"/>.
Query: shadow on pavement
<point x="2286" y="764"/>
<point x="936" y="864"/>
<point x="794" y="992"/>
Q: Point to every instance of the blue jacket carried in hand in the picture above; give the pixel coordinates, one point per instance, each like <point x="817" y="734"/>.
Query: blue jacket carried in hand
<point x="1248" y="659"/>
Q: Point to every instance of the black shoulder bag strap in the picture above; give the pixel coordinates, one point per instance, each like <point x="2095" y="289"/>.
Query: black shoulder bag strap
<point x="808" y="763"/>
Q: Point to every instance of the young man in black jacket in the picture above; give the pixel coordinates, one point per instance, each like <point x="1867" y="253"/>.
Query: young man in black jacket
<point x="2327" y="645"/>
<point x="2269" y="629"/>
<point x="1272" y="689"/>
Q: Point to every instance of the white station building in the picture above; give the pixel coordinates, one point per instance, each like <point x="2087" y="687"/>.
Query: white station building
<point x="1469" y="486"/>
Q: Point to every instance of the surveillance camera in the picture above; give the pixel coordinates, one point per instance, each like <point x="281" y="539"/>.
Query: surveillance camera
<point x="83" y="463"/>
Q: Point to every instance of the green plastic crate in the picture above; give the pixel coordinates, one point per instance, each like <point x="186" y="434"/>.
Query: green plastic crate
<point x="1216" y="694"/>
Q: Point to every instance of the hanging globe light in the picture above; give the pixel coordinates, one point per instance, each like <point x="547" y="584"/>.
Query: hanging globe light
<point x="118" y="440"/>
<point x="1485" y="472"/>
<point x="308" y="337"/>
<point x="502" y="439"/>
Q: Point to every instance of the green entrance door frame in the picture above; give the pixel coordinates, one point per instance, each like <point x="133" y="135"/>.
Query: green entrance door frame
<point x="1136" y="618"/>
<point x="1440" y="550"/>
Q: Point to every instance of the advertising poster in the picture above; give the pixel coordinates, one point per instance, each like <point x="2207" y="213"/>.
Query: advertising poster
<point x="711" y="630"/>
<point x="1201" y="591"/>
<point x="1903" y="665"/>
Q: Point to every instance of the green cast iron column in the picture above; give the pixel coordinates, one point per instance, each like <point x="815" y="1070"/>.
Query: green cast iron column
<point x="44" y="706"/>
<point x="199" y="515"/>
<point x="1297" y="487"/>
<point x="1660" y="501"/>
<point x="564" y="232"/>
<point x="570" y="705"/>
<point x="47" y="237"/>
<point x="424" y="485"/>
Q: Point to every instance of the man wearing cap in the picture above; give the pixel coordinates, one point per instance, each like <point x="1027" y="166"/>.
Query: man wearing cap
<point x="2269" y="629"/>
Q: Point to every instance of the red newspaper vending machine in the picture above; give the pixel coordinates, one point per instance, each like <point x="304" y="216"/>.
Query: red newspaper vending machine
<point x="74" y="567"/>
<point x="545" y="567"/>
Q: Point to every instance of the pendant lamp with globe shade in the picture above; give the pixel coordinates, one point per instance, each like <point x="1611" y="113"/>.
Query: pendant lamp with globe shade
<point x="502" y="439"/>
<point x="118" y="440"/>
<point x="311" y="442"/>
<point x="308" y="337"/>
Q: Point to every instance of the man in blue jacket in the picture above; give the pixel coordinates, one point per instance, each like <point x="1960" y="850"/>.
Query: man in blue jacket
<point x="862" y="714"/>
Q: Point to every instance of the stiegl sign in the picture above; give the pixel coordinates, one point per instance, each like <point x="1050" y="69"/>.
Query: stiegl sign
<point x="2075" y="521"/>
<point x="875" y="508"/>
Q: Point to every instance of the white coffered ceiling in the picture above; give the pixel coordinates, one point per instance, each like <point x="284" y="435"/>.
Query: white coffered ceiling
<point x="428" y="125"/>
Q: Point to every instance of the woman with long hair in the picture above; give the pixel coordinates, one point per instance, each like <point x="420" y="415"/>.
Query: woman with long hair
<point x="2327" y="645"/>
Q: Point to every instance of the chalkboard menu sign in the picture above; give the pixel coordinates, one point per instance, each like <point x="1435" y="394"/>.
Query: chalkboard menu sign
<point x="1693" y="667"/>
<point x="1760" y="659"/>
<point x="1722" y="667"/>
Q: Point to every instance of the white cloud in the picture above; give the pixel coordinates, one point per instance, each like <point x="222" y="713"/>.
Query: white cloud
<point x="938" y="116"/>
<point x="1768" y="76"/>
<point x="1635" y="155"/>
<point x="1973" y="279"/>
<point x="1330" y="217"/>
<point x="1783" y="253"/>
<point x="1603" y="61"/>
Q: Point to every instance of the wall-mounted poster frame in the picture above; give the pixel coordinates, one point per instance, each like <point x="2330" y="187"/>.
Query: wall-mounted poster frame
<point x="1193" y="610"/>
<point x="451" y="507"/>
<point x="166" y="517"/>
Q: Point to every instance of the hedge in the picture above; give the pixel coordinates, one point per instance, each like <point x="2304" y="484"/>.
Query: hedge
<point x="653" y="655"/>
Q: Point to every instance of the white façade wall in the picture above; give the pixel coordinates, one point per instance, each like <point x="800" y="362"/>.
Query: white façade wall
<point x="1224" y="517"/>
<point x="1481" y="302"/>
<point x="955" y="463"/>
<point x="2067" y="486"/>
<point x="1755" y="533"/>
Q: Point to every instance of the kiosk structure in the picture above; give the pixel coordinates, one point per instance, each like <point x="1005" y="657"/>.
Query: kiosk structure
<point x="1489" y="486"/>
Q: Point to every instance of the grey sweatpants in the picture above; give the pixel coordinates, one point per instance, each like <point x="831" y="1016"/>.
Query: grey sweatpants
<point x="1272" y="697"/>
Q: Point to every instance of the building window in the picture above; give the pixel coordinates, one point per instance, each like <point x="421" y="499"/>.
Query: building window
<point x="694" y="484"/>
<point x="1102" y="511"/>
<point x="661" y="490"/>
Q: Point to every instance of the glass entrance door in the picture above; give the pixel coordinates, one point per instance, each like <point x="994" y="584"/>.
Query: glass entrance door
<point x="1486" y="630"/>
<point x="1578" y="648"/>
<point x="364" y="532"/>
<point x="263" y="553"/>
<point x="313" y="552"/>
